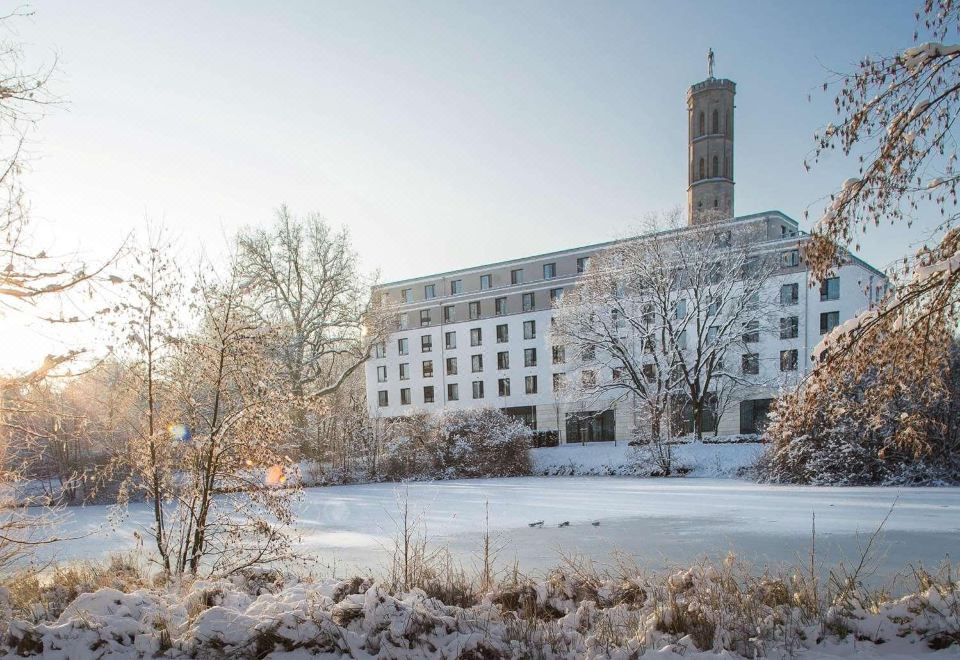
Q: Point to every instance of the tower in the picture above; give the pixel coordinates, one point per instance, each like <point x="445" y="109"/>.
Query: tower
<point x="710" y="147"/>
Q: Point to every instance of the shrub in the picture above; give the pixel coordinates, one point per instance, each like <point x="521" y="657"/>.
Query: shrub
<point x="460" y="443"/>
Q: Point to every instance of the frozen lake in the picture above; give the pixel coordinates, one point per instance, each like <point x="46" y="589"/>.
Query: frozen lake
<point x="662" y="522"/>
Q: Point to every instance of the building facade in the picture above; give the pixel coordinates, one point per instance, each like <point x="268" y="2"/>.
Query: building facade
<point x="481" y="336"/>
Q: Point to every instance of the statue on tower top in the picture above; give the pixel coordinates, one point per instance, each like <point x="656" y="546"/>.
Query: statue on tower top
<point x="710" y="62"/>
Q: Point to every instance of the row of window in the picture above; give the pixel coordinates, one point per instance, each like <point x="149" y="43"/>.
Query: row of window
<point x="476" y="364"/>
<point x="453" y="391"/>
<point x="475" y="309"/>
<point x="789" y="329"/>
<point x="517" y="276"/>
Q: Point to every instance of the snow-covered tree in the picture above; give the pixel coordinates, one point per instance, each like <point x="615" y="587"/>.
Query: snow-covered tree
<point x="662" y="321"/>
<point x="303" y="279"/>
<point x="896" y="117"/>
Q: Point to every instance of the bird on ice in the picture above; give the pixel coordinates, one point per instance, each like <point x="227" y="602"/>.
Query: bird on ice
<point x="539" y="523"/>
<point x="565" y="523"/>
<point x="595" y="523"/>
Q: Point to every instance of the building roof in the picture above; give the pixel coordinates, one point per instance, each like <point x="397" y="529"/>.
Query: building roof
<point x="569" y="251"/>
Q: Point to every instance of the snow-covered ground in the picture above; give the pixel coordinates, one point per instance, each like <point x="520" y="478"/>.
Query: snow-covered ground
<point x="696" y="459"/>
<point x="663" y="522"/>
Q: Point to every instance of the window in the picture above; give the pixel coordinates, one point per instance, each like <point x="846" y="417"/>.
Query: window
<point x="405" y="396"/>
<point x="451" y="366"/>
<point x="701" y="126"/>
<point x="403" y="346"/>
<point x="424" y="317"/>
<point x="680" y="310"/>
<point x="788" y="360"/>
<point x="703" y="170"/>
<point x="750" y="363"/>
<point x="529" y="302"/>
<point x="476" y="363"/>
<point x="503" y="334"/>
<point x="449" y="313"/>
<point x="428" y="393"/>
<point x="529" y="357"/>
<point x="715" y="124"/>
<point x="588" y="378"/>
<point x="716" y="173"/>
<point x="475" y="309"/>
<point x="649" y="343"/>
<point x="404" y="321"/>
<point x="380" y="350"/>
<point x="503" y="360"/>
<point x="381" y="374"/>
<point x="529" y="329"/>
<point x="753" y="415"/>
<point x="559" y="356"/>
<point x="649" y="372"/>
<point x="830" y="289"/>
<point x="478" y="389"/>
<point x="503" y="387"/>
<point x="428" y="368"/>
<point x="406" y="295"/>
<point x="790" y="258"/>
<point x="789" y="294"/>
<point x="556" y="295"/>
<point x="617" y="318"/>
<point x="648" y="314"/>
<point x="751" y="332"/>
<point x="476" y="337"/>
<point x="789" y="327"/>
<point x="450" y="339"/>
<point x="530" y="384"/>
<point x="549" y="271"/>
<point x="516" y="276"/>
<point x="456" y="287"/>
<point x="404" y="371"/>
<point x="590" y="426"/>
<point x="682" y="340"/>
<point x="426" y="343"/>
<point x="453" y="392"/>
<point x="829" y="321"/>
<point x="582" y="263"/>
<point x="383" y="399"/>
<point x="429" y="291"/>
<point x="486" y="282"/>
<point x="589" y="353"/>
<point x="500" y="306"/>
<point x="559" y="382"/>
<point x="712" y="332"/>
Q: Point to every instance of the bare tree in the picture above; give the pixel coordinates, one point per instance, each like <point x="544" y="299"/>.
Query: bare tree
<point x="304" y="279"/>
<point x="661" y="321"/>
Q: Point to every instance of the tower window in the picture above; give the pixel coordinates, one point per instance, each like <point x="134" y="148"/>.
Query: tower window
<point x="703" y="173"/>
<point x="716" y="122"/>
<point x="725" y="174"/>
<point x="716" y="167"/>
<point x="702" y="129"/>
<point x="716" y="204"/>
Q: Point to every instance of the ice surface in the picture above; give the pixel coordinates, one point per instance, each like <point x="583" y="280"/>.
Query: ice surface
<point x="664" y="522"/>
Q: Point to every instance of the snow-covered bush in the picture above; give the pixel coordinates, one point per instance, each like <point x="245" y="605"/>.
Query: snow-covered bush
<point x="484" y="442"/>
<point x="576" y="611"/>
<point x="884" y="410"/>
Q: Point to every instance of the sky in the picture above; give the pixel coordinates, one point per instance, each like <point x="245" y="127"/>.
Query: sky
<point x="441" y="134"/>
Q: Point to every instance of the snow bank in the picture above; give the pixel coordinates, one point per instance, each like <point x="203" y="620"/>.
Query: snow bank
<point x="694" y="459"/>
<point x="702" y="612"/>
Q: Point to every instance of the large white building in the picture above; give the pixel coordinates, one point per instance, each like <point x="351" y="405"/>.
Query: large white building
<point x="479" y="336"/>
